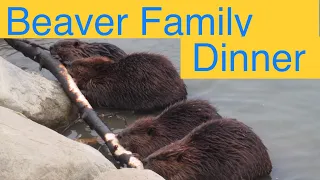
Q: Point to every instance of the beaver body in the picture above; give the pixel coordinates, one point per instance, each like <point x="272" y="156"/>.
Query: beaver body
<point x="221" y="149"/>
<point x="148" y="134"/>
<point x="141" y="82"/>
<point x="69" y="50"/>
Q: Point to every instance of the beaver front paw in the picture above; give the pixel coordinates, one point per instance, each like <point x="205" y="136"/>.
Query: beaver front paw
<point x="41" y="63"/>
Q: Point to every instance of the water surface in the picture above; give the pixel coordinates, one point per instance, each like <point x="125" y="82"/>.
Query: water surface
<point x="284" y="113"/>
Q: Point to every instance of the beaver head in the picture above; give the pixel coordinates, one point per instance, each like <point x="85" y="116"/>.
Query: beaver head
<point x="223" y="149"/>
<point x="172" y="162"/>
<point x="68" y="50"/>
<point x="86" y="69"/>
<point x="139" y="134"/>
<point x="148" y="134"/>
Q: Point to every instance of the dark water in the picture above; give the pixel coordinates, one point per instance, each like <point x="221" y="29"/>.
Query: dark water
<point x="284" y="113"/>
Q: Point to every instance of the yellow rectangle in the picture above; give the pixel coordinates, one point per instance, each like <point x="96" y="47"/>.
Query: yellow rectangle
<point x="276" y="31"/>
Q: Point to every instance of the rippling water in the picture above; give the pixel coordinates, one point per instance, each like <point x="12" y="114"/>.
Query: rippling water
<point x="284" y="113"/>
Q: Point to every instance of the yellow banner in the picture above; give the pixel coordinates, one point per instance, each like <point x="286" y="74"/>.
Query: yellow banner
<point x="219" y="39"/>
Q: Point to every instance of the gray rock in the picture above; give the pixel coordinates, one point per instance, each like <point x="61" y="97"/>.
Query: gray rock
<point x="30" y="151"/>
<point x="36" y="97"/>
<point x="129" y="174"/>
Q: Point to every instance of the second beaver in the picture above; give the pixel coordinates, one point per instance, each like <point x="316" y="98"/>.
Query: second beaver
<point x="221" y="149"/>
<point x="69" y="50"/>
<point x="142" y="82"/>
<point x="148" y="134"/>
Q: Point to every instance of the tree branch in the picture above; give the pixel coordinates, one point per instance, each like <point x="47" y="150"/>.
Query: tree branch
<point x="38" y="54"/>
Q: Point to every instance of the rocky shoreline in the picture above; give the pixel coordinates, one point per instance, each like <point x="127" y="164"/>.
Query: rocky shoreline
<point x="39" y="99"/>
<point x="31" y="109"/>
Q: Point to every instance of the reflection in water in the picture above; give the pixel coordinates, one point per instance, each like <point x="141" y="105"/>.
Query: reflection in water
<point x="284" y="113"/>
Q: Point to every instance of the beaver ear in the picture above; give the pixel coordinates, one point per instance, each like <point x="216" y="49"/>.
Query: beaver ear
<point x="151" y="131"/>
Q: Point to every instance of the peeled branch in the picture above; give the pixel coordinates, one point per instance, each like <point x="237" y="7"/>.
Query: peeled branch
<point x="39" y="54"/>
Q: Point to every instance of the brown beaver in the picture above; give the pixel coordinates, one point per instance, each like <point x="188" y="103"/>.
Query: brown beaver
<point x="68" y="50"/>
<point x="221" y="149"/>
<point x="142" y="82"/>
<point x="148" y="134"/>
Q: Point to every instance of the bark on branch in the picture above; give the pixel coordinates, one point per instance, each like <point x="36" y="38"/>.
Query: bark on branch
<point x="43" y="57"/>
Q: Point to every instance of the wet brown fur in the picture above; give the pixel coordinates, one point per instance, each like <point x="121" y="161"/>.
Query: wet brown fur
<point x="148" y="134"/>
<point x="142" y="82"/>
<point x="223" y="149"/>
<point x="69" y="50"/>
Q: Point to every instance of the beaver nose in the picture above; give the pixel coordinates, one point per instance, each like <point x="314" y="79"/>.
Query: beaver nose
<point x="52" y="50"/>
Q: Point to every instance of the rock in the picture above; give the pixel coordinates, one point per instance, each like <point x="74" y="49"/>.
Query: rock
<point x="129" y="174"/>
<point x="36" y="97"/>
<point x="30" y="151"/>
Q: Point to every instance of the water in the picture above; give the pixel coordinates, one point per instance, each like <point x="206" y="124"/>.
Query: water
<point x="284" y="113"/>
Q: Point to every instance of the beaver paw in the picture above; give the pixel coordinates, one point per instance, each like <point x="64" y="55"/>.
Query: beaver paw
<point x="136" y="155"/>
<point x="40" y="64"/>
<point x="74" y="80"/>
<point x="67" y="63"/>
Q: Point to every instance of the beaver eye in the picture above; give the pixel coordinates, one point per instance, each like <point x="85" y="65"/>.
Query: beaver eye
<point x="76" y="43"/>
<point x="161" y="158"/>
<point x="150" y="131"/>
<point x="179" y="158"/>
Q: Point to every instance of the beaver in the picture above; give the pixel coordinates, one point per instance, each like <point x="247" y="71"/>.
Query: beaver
<point x="68" y="50"/>
<point x="141" y="82"/>
<point x="219" y="149"/>
<point x="148" y="134"/>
